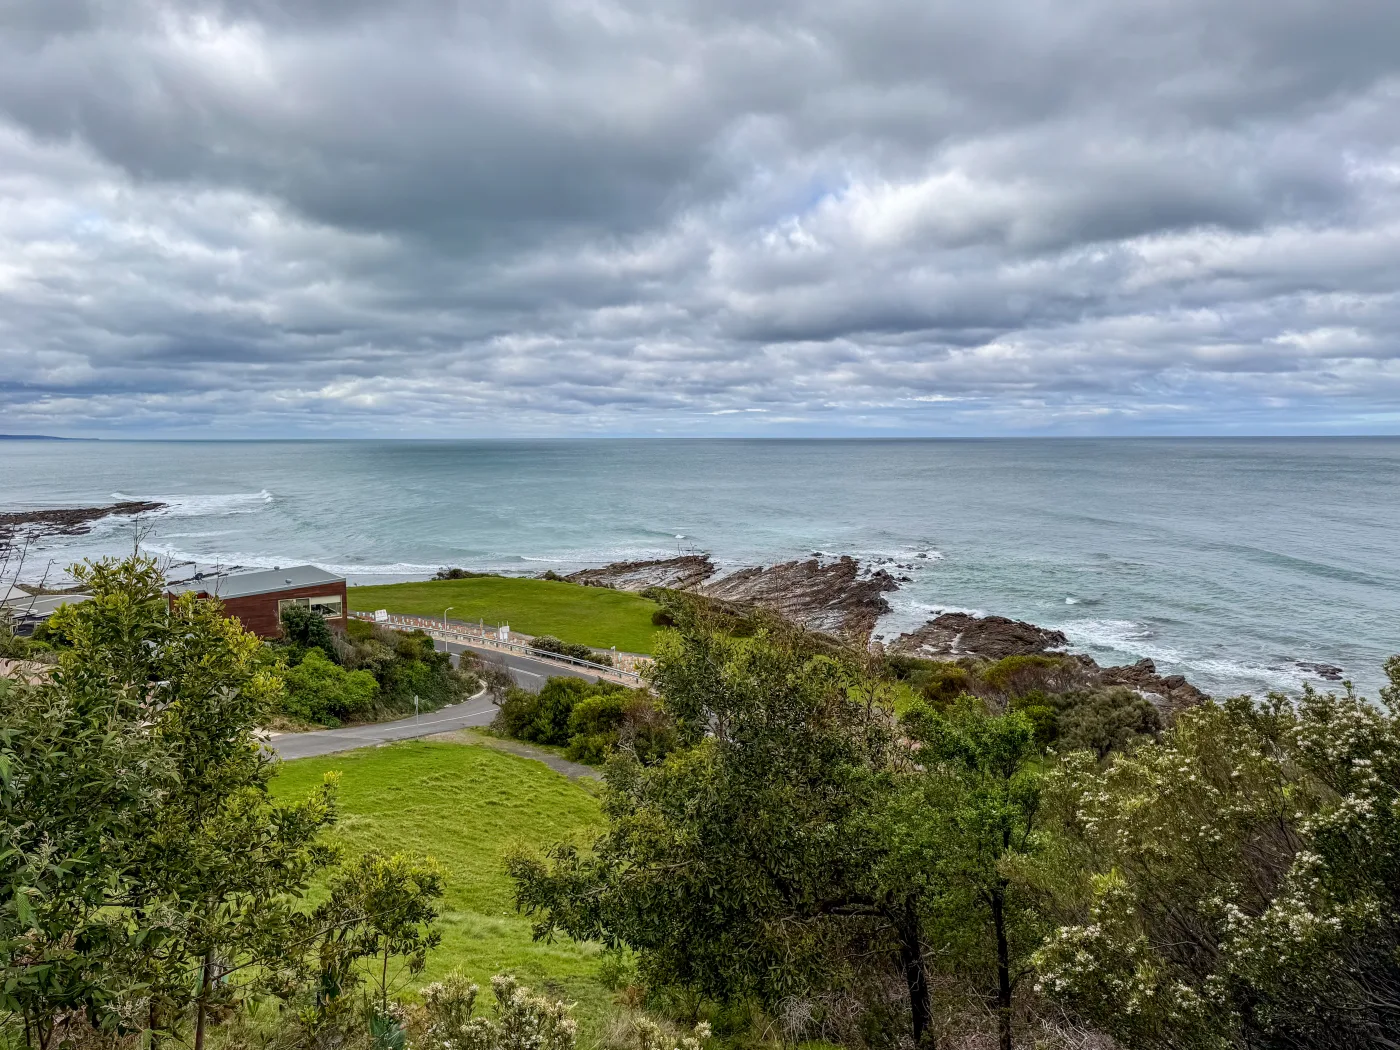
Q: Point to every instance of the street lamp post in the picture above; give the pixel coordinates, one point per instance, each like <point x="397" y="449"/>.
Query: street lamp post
<point x="444" y="617"/>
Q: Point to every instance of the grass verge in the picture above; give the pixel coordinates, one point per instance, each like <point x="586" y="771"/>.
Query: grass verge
<point x="466" y="805"/>
<point x="593" y="616"/>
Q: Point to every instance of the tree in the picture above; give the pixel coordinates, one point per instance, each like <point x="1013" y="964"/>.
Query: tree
<point x="137" y="812"/>
<point x="980" y="791"/>
<point x="380" y="906"/>
<point x="78" y="783"/>
<point x="306" y="629"/>
<point x="1241" y="878"/>
<point x="321" y="691"/>
<point x="747" y="863"/>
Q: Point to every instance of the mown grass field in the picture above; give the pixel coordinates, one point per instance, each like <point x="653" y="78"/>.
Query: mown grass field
<point x="593" y="616"/>
<point x="467" y="805"/>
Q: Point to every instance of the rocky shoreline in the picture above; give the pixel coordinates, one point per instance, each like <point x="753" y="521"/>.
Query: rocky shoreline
<point x="834" y="596"/>
<point x="66" y="521"/>
<point x="952" y="635"/>
<point x="839" y="597"/>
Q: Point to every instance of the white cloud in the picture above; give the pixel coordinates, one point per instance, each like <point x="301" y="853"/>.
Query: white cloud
<point x="250" y="216"/>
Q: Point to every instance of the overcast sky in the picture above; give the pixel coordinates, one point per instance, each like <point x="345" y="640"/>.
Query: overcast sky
<point x="576" y="217"/>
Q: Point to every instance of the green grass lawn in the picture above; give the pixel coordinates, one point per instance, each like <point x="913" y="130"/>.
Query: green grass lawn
<point x="466" y="805"/>
<point x="593" y="616"/>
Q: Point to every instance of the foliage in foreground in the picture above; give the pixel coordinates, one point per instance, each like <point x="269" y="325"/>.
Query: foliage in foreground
<point x="149" y="881"/>
<point x="1232" y="880"/>
<point x="522" y="1019"/>
<point x="1241" y="878"/>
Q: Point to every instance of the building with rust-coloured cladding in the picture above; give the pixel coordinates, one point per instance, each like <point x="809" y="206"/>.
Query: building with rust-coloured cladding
<point x="258" y="598"/>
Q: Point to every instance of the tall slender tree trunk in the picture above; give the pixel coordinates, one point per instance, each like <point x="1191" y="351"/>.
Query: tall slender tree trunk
<point x="203" y="998"/>
<point x="384" y="981"/>
<point x="1003" y="967"/>
<point x="911" y="961"/>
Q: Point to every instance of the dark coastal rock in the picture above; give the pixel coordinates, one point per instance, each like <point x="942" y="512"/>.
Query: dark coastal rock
<point x="1327" y="672"/>
<point x="681" y="574"/>
<point x="989" y="637"/>
<point x="67" y="521"/>
<point x="833" y="597"/>
<point x="836" y="597"/>
<point x="1174" y="689"/>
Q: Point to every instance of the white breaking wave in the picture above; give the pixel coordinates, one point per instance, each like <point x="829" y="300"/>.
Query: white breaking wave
<point x="209" y="505"/>
<point x="265" y="561"/>
<point x="1133" y="640"/>
<point x="1125" y="635"/>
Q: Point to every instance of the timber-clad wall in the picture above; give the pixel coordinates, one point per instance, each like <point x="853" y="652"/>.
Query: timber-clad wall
<point x="258" y="612"/>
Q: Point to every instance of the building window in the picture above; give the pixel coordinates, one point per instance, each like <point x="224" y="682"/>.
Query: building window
<point x="328" y="606"/>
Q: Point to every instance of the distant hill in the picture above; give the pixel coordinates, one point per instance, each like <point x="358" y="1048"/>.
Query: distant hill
<point x="39" y="437"/>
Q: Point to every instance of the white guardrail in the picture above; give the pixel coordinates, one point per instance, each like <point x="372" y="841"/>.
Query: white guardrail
<point x="489" y="638"/>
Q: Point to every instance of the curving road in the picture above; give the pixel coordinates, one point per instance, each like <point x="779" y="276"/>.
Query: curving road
<point x="478" y="711"/>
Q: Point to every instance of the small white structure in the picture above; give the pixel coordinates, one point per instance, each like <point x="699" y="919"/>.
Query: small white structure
<point x="381" y="615"/>
<point x="503" y="632"/>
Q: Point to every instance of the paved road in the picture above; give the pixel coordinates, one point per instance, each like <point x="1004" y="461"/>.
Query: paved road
<point x="479" y="711"/>
<point x="528" y="673"/>
<point x="475" y="712"/>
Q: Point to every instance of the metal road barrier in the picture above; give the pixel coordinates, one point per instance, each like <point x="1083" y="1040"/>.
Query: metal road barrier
<point x="489" y="638"/>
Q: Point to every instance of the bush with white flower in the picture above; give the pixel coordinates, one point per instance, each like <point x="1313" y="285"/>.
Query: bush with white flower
<point x="1242" y="878"/>
<point x="523" y="1020"/>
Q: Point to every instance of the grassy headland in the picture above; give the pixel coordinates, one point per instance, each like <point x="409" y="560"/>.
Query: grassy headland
<point x="466" y="805"/>
<point x="595" y="616"/>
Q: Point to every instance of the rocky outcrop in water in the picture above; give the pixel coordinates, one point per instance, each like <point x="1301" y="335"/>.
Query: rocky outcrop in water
<point x="956" y="635"/>
<point x="68" y="521"/>
<point x="1174" y="689"/>
<point x="834" y="597"/>
<point x="953" y="635"/>
<point x="1327" y="672"/>
<point x="680" y="574"/>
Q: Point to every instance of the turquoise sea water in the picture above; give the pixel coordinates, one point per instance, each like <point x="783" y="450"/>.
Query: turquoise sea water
<point x="1227" y="560"/>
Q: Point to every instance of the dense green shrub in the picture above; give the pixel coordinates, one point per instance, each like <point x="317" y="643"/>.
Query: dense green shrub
<point x="1044" y="715"/>
<point x="594" y="724"/>
<point x="321" y="691"/>
<point x="550" y="644"/>
<point x="944" y="683"/>
<point x="402" y="665"/>
<point x="589" y="719"/>
<point x="1237" y="882"/>
<point x="306" y="629"/>
<point x="456" y="574"/>
<point x="1105" y="720"/>
<point x="515" y="712"/>
<point x="543" y="717"/>
<point x="1015" y="676"/>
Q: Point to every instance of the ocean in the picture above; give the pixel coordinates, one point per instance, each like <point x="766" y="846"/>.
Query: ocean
<point x="1228" y="560"/>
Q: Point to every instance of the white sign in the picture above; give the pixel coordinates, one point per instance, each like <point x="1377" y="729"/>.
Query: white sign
<point x="381" y="615"/>
<point x="503" y="632"/>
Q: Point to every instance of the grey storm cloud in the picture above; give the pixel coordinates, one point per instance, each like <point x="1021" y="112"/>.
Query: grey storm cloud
<point x="610" y="216"/>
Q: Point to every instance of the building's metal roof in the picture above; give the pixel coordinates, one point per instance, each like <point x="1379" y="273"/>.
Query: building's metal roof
<point x="266" y="581"/>
<point x="38" y="607"/>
